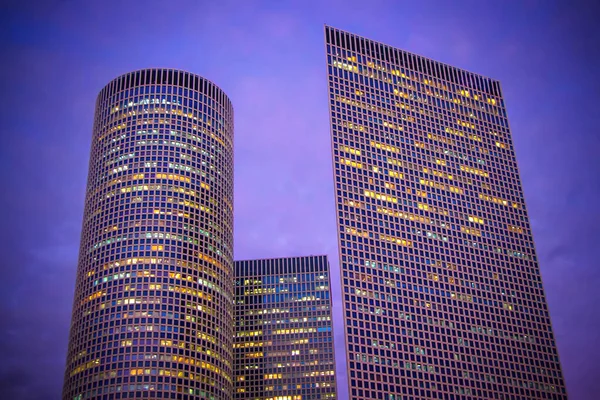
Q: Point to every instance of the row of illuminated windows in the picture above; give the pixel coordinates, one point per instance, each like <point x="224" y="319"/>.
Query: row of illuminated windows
<point x="471" y="287"/>
<point x="145" y="156"/>
<point x="274" y="279"/>
<point x="163" y="388"/>
<point x="437" y="296"/>
<point x="190" y="106"/>
<point x="93" y="221"/>
<point x="152" y="118"/>
<point x="156" y="237"/>
<point x="167" y="94"/>
<point x="461" y="328"/>
<point x="157" y="264"/>
<point x="458" y="236"/>
<point x="391" y="114"/>
<point x="494" y="375"/>
<point x="345" y="106"/>
<point x="437" y="303"/>
<point x="498" y="242"/>
<point x="411" y="79"/>
<point x="152" y="179"/>
<point x="473" y="267"/>
<point x="176" y="215"/>
<point x="133" y="290"/>
<point x="457" y="241"/>
<point x="208" y="390"/>
<point x="188" y="135"/>
<point x="512" y="352"/>
<point x="150" y="231"/>
<point x="139" y="169"/>
<point x="130" y="200"/>
<point x="137" y="206"/>
<point x="384" y="86"/>
<point x="354" y="209"/>
<point x="501" y="358"/>
<point x="112" y="344"/>
<point x="114" y="163"/>
<point x="448" y="181"/>
<point x="143" y="150"/>
<point x="155" y="107"/>
<point x="441" y="166"/>
<point x="441" y="160"/>
<point x="391" y="392"/>
<point x="435" y="166"/>
<point x="163" y="247"/>
<point x="153" y="267"/>
<point x="402" y="121"/>
<point x="459" y="205"/>
<point x="185" y="134"/>
<point x="475" y="277"/>
<point x="151" y="284"/>
<point x="451" y="329"/>
<point x="352" y="121"/>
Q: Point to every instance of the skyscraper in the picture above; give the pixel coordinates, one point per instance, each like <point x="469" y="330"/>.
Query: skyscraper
<point x="283" y="337"/>
<point x="442" y="292"/>
<point x="153" y="307"/>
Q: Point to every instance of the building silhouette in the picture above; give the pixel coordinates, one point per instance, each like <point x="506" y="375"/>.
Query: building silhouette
<point x="153" y="307"/>
<point x="442" y="293"/>
<point x="283" y="342"/>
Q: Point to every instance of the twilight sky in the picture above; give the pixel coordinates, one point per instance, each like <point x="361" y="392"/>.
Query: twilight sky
<point x="268" y="56"/>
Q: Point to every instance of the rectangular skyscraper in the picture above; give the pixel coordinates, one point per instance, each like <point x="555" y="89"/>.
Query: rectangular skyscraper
<point x="441" y="286"/>
<point x="283" y="345"/>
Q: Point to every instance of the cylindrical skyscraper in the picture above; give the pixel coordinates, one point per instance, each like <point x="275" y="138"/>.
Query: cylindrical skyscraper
<point x="152" y="313"/>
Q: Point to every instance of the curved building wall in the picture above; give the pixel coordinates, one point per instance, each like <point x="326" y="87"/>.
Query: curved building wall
<point x="152" y="313"/>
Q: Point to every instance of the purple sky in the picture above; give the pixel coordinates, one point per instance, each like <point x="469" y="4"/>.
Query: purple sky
<point x="269" y="58"/>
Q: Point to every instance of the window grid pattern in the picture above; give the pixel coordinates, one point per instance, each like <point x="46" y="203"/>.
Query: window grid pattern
<point x="283" y="346"/>
<point x="153" y="307"/>
<point x="442" y="293"/>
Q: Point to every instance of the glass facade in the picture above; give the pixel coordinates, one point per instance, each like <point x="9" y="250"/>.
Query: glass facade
<point x="442" y="294"/>
<point x="283" y="344"/>
<point x="153" y="307"/>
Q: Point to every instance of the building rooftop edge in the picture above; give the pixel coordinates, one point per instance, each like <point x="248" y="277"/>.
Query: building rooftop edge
<point x="413" y="53"/>
<point x="280" y="258"/>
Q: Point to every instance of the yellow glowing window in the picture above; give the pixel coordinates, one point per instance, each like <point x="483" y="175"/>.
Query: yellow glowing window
<point x="493" y="199"/>
<point x="454" y="131"/>
<point x="475" y="171"/>
<point x="173" y="177"/>
<point x="351" y="150"/>
<point x="466" y="124"/>
<point x="475" y="219"/>
<point x="351" y="163"/>
<point x="514" y="228"/>
<point x="356" y="232"/>
<point x="386" y="147"/>
<point x="396" y="240"/>
<point x="379" y="196"/>
<point x="441" y="139"/>
<point x="471" y="231"/>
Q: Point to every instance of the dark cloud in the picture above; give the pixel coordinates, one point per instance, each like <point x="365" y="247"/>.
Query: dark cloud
<point x="269" y="57"/>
